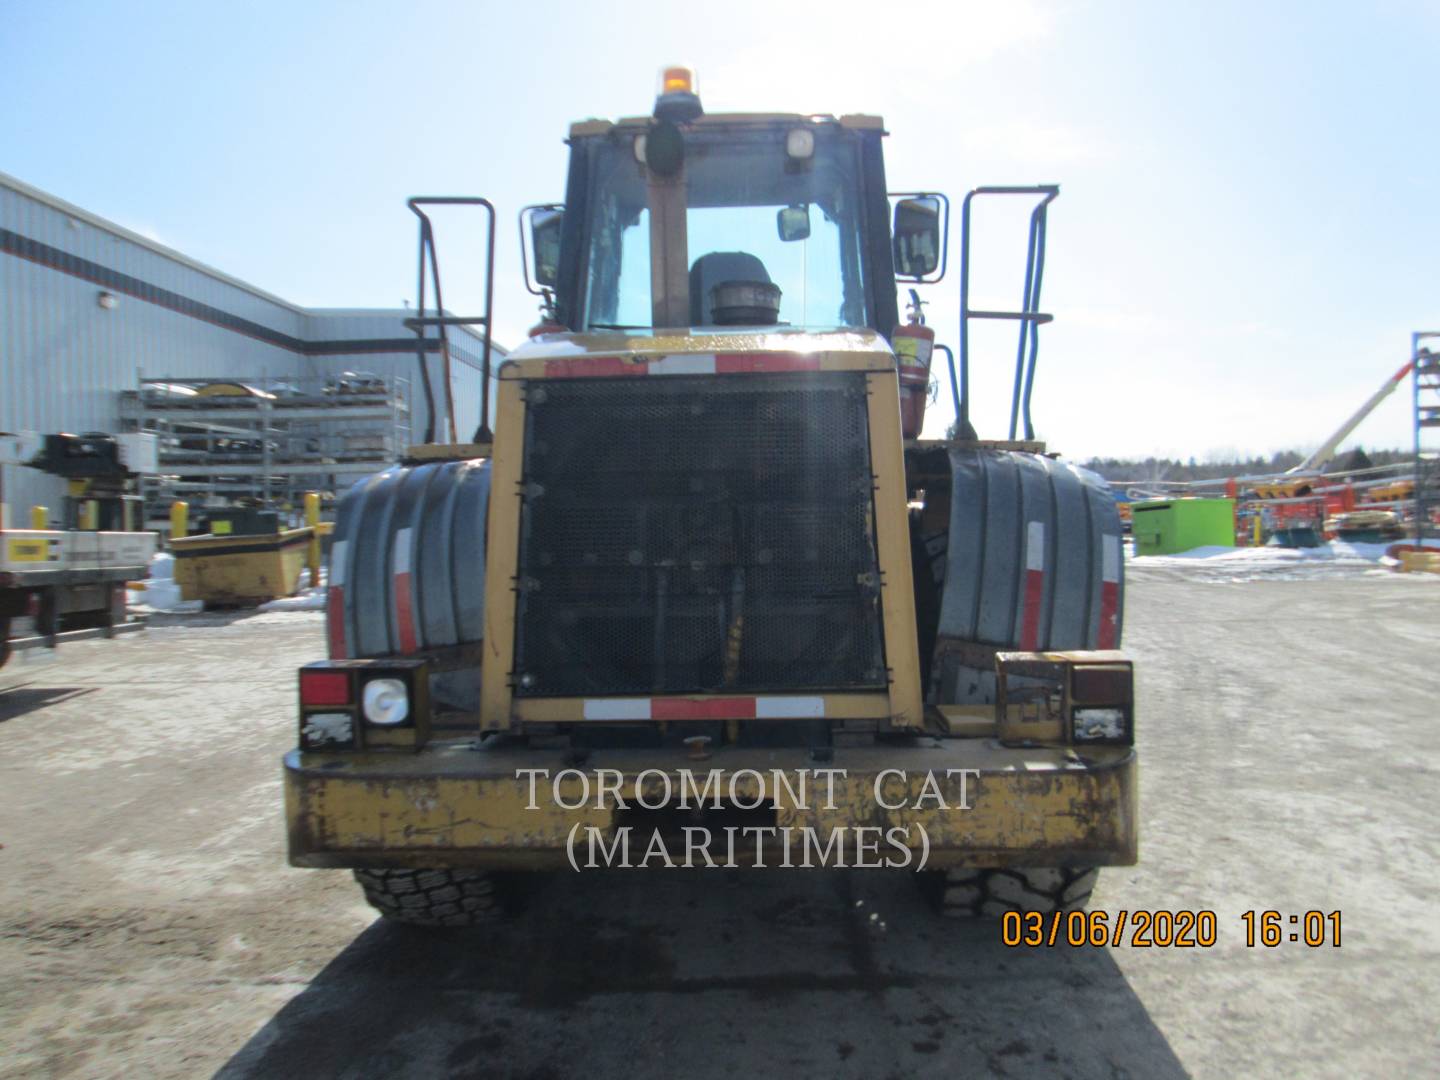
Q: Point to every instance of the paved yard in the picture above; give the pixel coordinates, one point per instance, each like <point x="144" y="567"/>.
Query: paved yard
<point x="150" y="927"/>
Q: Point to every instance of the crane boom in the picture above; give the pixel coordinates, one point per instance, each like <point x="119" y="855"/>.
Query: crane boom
<point x="1321" y="457"/>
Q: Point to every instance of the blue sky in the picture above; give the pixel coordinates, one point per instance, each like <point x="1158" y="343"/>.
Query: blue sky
<point x="1245" y="239"/>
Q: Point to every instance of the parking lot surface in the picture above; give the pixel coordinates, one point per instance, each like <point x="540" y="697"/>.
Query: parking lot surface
<point x="149" y="925"/>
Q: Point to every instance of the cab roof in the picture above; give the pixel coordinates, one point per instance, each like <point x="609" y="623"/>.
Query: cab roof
<point x="858" y="121"/>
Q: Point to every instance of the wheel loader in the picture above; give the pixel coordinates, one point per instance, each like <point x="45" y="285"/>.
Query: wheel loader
<point x="697" y="591"/>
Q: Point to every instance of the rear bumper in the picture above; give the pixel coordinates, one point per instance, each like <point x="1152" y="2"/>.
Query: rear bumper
<point x="458" y="805"/>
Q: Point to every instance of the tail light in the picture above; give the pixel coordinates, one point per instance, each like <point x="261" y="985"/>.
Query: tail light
<point x="364" y="705"/>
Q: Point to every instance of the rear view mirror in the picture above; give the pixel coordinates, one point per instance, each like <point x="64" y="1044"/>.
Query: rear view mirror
<point x="793" y="223"/>
<point x="919" y="236"/>
<point x="545" y="242"/>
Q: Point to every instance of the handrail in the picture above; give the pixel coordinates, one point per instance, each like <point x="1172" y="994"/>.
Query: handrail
<point x="440" y="320"/>
<point x="1029" y="316"/>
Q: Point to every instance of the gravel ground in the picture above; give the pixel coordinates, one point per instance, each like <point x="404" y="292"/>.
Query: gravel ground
<point x="151" y="927"/>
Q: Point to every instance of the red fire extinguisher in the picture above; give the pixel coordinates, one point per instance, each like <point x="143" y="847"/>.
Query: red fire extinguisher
<point x="914" y="343"/>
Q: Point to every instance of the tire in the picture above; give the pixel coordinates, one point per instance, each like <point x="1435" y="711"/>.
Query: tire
<point x="973" y="894"/>
<point x="1013" y="551"/>
<point x="432" y="897"/>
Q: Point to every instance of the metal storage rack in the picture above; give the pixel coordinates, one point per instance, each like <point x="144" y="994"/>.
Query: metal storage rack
<point x="1426" y="385"/>
<point x="265" y="442"/>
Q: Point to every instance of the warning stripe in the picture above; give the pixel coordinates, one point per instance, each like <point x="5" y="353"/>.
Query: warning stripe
<point x="595" y="367"/>
<point x="736" y="708"/>
<point x="1109" y="635"/>
<point x="400" y="577"/>
<point x="335" y="600"/>
<point x="1034" y="585"/>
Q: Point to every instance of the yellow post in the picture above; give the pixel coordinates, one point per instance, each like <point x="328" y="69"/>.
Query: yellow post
<point x="89" y="515"/>
<point x="312" y="520"/>
<point x="179" y="519"/>
<point x="1257" y="528"/>
<point x="39" y="517"/>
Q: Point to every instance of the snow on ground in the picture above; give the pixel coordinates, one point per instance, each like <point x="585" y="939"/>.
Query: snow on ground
<point x="307" y="600"/>
<point x="1225" y="564"/>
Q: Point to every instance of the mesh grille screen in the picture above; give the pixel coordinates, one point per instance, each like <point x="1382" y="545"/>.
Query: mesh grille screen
<point x="687" y="535"/>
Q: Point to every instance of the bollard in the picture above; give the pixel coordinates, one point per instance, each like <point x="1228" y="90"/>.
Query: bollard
<point x="39" y="517"/>
<point x="312" y="521"/>
<point x="179" y="519"/>
<point x="89" y="517"/>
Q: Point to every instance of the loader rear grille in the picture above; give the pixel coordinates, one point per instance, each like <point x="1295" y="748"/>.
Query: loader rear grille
<point x="697" y="534"/>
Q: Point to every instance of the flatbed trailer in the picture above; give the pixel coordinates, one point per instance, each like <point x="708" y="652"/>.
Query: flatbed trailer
<point x="68" y="579"/>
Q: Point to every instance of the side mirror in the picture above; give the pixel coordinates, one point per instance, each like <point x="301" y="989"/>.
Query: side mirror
<point x="545" y="242"/>
<point x="793" y="223"/>
<point x="921" y="223"/>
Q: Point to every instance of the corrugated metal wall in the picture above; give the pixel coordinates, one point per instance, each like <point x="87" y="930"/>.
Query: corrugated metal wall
<point x="64" y="358"/>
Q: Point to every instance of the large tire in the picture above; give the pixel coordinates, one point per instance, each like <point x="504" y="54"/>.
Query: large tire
<point x="1013" y="551"/>
<point x="970" y="894"/>
<point x="432" y="897"/>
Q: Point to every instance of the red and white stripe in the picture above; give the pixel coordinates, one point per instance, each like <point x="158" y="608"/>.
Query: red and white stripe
<point x="335" y="599"/>
<point x="733" y="708"/>
<point x="1034" y="586"/>
<point x="400" y="582"/>
<point x="591" y="367"/>
<point x="1109" y="592"/>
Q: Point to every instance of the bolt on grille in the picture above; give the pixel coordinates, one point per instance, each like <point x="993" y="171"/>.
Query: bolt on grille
<point x="697" y="534"/>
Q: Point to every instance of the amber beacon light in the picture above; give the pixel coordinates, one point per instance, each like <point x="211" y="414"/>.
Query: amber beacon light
<point x="677" y="80"/>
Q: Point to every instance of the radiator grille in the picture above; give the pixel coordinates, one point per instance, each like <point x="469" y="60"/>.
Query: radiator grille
<point x="697" y="534"/>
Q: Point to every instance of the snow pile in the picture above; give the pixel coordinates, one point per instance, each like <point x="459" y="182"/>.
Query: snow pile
<point x="160" y="592"/>
<point x="1337" y="558"/>
<point x="304" y="597"/>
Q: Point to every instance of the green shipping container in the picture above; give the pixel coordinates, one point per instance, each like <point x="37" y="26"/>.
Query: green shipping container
<point x="1168" y="526"/>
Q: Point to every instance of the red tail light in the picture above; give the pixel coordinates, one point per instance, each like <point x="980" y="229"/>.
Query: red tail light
<point x="324" y="688"/>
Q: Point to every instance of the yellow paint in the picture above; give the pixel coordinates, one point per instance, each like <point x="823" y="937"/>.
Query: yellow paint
<point x="892" y="533"/>
<point x="1420" y="561"/>
<point x="447" y="451"/>
<point x="220" y="528"/>
<point x="239" y="569"/>
<point x="312" y="521"/>
<point x="39" y="517"/>
<point x="828" y="361"/>
<point x="502" y="556"/>
<point x="29" y="551"/>
<point x="456" y="806"/>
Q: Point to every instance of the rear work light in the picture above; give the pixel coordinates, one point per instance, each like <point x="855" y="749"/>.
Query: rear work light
<point x="387" y="702"/>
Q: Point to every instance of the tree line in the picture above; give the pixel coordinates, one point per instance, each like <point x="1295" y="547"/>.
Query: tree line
<point x="1218" y="468"/>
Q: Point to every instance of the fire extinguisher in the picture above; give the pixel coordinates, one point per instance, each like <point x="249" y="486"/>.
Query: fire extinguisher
<point x="914" y="342"/>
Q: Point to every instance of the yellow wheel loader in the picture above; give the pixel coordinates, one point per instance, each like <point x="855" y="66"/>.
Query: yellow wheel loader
<point x="704" y="596"/>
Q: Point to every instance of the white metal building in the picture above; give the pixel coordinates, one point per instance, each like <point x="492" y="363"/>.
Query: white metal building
<point x="88" y="309"/>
